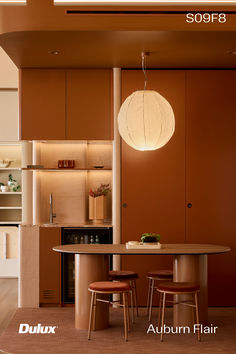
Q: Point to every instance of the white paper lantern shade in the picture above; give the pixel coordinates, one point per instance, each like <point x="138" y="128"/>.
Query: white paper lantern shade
<point x="146" y="120"/>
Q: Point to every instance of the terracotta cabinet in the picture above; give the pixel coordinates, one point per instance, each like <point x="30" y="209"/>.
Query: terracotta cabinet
<point x="65" y="104"/>
<point x="211" y="174"/>
<point x="49" y="266"/>
<point x="153" y="182"/>
<point x="186" y="190"/>
<point x="42" y="104"/>
<point x="88" y="106"/>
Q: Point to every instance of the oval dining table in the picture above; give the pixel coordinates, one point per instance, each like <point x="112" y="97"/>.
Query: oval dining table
<point x="92" y="264"/>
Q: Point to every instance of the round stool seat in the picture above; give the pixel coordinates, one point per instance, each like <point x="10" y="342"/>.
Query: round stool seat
<point x="161" y="274"/>
<point x="122" y="274"/>
<point x="177" y="287"/>
<point x="109" y="286"/>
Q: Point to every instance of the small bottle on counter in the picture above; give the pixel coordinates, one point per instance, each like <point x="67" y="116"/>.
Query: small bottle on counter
<point x="97" y="239"/>
<point x="81" y="239"/>
<point x="91" y="239"/>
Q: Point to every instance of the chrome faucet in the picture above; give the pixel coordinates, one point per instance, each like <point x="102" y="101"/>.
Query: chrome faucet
<point x="51" y="215"/>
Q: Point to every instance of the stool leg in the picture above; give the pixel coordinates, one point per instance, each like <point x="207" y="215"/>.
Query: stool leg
<point x="194" y="311"/>
<point x="127" y="310"/>
<point x="148" y="297"/>
<point x="94" y="311"/>
<point x="160" y="311"/>
<point x="162" y="316"/>
<point x="151" y="298"/>
<point x="132" y="301"/>
<point x="135" y="297"/>
<point x="197" y="315"/>
<point x="125" y="317"/>
<point x="91" y="315"/>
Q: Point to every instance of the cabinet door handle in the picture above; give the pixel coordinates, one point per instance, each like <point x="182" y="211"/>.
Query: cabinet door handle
<point x="124" y="205"/>
<point x="189" y="205"/>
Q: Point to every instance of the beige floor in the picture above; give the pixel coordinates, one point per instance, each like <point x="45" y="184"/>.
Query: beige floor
<point x="8" y="301"/>
<point x="68" y="340"/>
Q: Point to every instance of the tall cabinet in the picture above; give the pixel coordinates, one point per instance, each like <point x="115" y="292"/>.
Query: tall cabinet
<point x="153" y="183"/>
<point x="185" y="190"/>
<point x="211" y="174"/>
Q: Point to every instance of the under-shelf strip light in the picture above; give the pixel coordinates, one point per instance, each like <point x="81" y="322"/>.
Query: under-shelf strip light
<point x="13" y="2"/>
<point x="141" y="2"/>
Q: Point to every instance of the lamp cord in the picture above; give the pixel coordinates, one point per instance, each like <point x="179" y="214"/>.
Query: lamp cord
<point x="144" y="70"/>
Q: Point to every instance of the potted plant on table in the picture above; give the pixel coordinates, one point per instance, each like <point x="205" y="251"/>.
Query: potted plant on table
<point x="97" y="203"/>
<point x="152" y="238"/>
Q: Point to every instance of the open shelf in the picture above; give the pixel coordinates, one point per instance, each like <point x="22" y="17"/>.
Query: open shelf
<point x="10" y="207"/>
<point x="70" y="186"/>
<point x="10" y="169"/>
<point x="11" y="193"/>
<point x="11" y="202"/>
<point x="68" y="169"/>
<point x="10" y="222"/>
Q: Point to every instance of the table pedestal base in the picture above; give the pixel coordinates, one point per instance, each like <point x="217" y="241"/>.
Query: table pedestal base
<point x="191" y="268"/>
<point x="89" y="268"/>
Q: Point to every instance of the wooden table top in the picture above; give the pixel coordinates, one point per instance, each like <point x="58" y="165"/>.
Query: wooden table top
<point x="179" y="248"/>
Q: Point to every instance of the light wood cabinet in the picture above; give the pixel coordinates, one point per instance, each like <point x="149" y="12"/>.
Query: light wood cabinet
<point x="49" y="266"/>
<point x="89" y="104"/>
<point x="42" y="104"/>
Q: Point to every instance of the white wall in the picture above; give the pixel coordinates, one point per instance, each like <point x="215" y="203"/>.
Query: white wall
<point x="8" y="71"/>
<point x="9" y="101"/>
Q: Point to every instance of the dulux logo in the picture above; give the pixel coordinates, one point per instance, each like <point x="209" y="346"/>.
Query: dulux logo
<point x="26" y="328"/>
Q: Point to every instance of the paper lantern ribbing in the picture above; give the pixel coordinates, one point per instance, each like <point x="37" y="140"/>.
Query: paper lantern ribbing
<point x="146" y="120"/>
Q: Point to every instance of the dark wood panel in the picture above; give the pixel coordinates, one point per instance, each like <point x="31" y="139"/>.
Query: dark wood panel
<point x="153" y="183"/>
<point x="42" y="101"/>
<point x="49" y="266"/>
<point x="89" y="111"/>
<point x="211" y="171"/>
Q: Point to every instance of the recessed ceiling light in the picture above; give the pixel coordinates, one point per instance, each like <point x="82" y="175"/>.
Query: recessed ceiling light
<point x="54" y="52"/>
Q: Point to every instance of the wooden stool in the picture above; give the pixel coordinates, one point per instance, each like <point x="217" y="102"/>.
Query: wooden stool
<point x="177" y="288"/>
<point x="153" y="276"/>
<point x="107" y="288"/>
<point x="130" y="276"/>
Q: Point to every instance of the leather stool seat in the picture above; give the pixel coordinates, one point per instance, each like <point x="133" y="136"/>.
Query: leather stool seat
<point x="109" y="286"/>
<point x="122" y="274"/>
<point x="176" y="287"/>
<point x="160" y="274"/>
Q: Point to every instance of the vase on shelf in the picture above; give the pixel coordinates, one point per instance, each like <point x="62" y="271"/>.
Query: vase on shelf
<point x="97" y="209"/>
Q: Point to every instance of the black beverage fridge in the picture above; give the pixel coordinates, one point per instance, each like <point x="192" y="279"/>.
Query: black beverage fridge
<point x="73" y="236"/>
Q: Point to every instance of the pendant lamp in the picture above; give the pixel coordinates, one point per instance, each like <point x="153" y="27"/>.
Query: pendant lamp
<point x="146" y="119"/>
